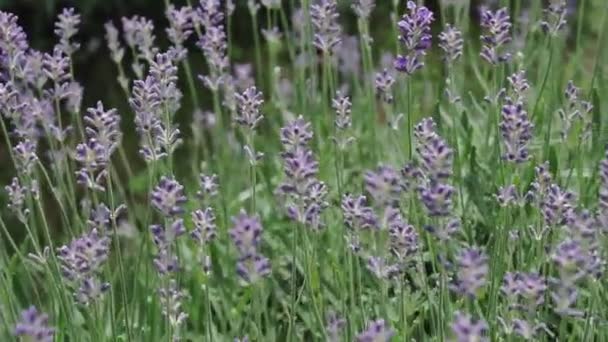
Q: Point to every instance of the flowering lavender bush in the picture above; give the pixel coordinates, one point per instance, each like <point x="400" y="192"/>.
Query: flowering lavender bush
<point x="333" y="187"/>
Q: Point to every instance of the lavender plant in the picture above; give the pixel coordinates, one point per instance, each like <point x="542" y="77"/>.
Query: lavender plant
<point x="160" y="220"/>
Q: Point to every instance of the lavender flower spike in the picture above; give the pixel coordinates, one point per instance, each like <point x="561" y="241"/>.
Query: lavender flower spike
<point x="496" y="26"/>
<point x="415" y="29"/>
<point x="472" y="271"/>
<point x="450" y="41"/>
<point x="66" y="28"/>
<point x="34" y="326"/>
<point x="516" y="131"/>
<point x="467" y="329"/>
<point x="554" y="17"/>
<point x="377" y="331"/>
<point x="327" y="31"/>
<point x="363" y="8"/>
<point x="246" y="232"/>
<point x="250" y="102"/>
<point x="168" y="197"/>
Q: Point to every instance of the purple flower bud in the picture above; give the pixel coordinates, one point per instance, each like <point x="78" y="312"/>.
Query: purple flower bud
<point x="524" y="290"/>
<point x="164" y="72"/>
<point x="436" y="156"/>
<point x="25" y="156"/>
<point x="508" y="196"/>
<point x="342" y="105"/>
<point x="13" y="40"/>
<point x="165" y="262"/>
<point x="138" y="33"/>
<point x="171" y="297"/>
<point x="208" y="186"/>
<point x="437" y="198"/>
<point x="214" y="46"/>
<point x="556" y="205"/>
<point x="168" y="197"/>
<point x="564" y="299"/>
<point x="363" y="8"/>
<point x="541" y="184"/>
<point x="16" y="196"/>
<point x="384" y="82"/>
<point x="467" y="329"/>
<point x="116" y="50"/>
<point x="415" y="29"/>
<point x="496" y="26"/>
<point x="251" y="267"/>
<point x="383" y="184"/>
<point x="327" y="31"/>
<point x="376" y="331"/>
<point x="180" y="28"/>
<point x="81" y="263"/>
<point x="249" y="102"/>
<point x="472" y="271"/>
<point x="357" y="213"/>
<point x="450" y="41"/>
<point x="403" y="237"/>
<point x="34" y="326"/>
<point x="165" y="235"/>
<point x="516" y="131"/>
<point x="205" y="227"/>
<point x="575" y="109"/>
<point x="296" y="134"/>
<point x="554" y="17"/>
<point x="66" y="27"/>
<point x="209" y="13"/>
<point x="334" y="326"/>
<point x="519" y="85"/>
<point x="246" y="233"/>
<point x="300" y="167"/>
<point x="381" y="268"/>
<point x="104" y="126"/>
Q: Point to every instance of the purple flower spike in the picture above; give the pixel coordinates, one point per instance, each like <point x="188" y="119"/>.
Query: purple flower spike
<point x="16" y="195"/>
<point x="206" y="229"/>
<point x="383" y="184"/>
<point x="403" y="237"/>
<point x="557" y="205"/>
<point x="253" y="267"/>
<point x="554" y="17"/>
<point x="334" y="326"/>
<point x="168" y="197"/>
<point x="246" y="232"/>
<point x="81" y="262"/>
<point x="25" y="156"/>
<point x="327" y="31"/>
<point x="363" y="8"/>
<point x="296" y="134"/>
<point x="467" y="329"/>
<point x="376" y="331"/>
<point x="437" y="198"/>
<point x="516" y="131"/>
<point x="415" y="29"/>
<point x="524" y="291"/>
<point x="450" y="41"/>
<point x="34" y="326"/>
<point x="66" y="28"/>
<point x="180" y="28"/>
<point x="496" y="25"/>
<point x="384" y="82"/>
<point x="472" y="271"/>
<point x="357" y="213"/>
<point x="250" y="102"/>
<point x="300" y="166"/>
<point x="208" y="186"/>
